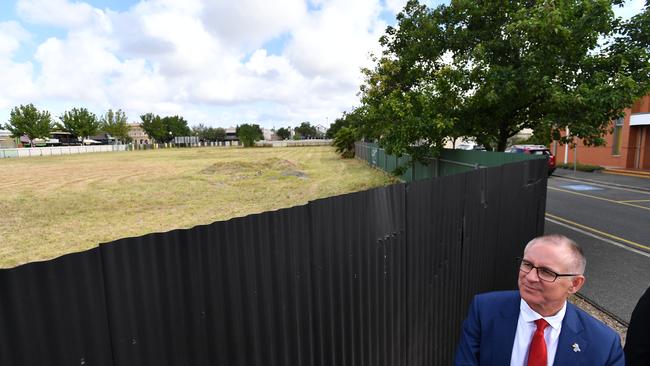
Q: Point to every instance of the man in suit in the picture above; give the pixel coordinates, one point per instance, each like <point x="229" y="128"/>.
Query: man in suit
<point x="536" y="326"/>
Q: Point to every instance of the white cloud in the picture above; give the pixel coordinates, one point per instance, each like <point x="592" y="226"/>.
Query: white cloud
<point x="335" y="42"/>
<point x="250" y="23"/>
<point x="77" y="68"/>
<point x="395" y="6"/>
<point x="15" y="77"/>
<point x="630" y="9"/>
<point x="61" y="13"/>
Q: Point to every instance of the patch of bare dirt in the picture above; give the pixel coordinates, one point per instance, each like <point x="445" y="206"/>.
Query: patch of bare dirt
<point x="238" y="170"/>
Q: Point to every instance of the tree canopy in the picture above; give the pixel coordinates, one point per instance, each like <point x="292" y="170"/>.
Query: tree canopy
<point x="209" y="133"/>
<point x="116" y="125"/>
<point x="164" y="129"/>
<point x="489" y="69"/>
<point x="249" y="133"/>
<point x="306" y="130"/>
<point x="28" y="120"/>
<point x="283" y="133"/>
<point x="79" y="122"/>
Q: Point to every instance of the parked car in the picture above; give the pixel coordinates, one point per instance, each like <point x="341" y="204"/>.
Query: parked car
<point x="535" y="150"/>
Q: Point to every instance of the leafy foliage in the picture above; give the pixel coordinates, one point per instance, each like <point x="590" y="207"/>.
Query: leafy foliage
<point x="337" y="125"/>
<point x="306" y="131"/>
<point x="28" y="120"/>
<point x="154" y="127"/>
<point x="283" y="133"/>
<point x="581" y="167"/>
<point x="344" y="141"/>
<point x="215" y="134"/>
<point x="79" y="122"/>
<point x="116" y="125"/>
<point x="249" y="133"/>
<point x="176" y="126"/>
<point x="164" y="129"/>
<point x="489" y="69"/>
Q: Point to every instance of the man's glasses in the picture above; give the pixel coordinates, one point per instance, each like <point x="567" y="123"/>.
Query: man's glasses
<point x="543" y="273"/>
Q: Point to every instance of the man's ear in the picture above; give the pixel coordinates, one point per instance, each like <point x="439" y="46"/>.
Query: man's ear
<point x="576" y="284"/>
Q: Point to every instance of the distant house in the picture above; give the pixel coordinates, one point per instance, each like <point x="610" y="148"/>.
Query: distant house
<point x="269" y="135"/>
<point x="6" y="141"/>
<point x="231" y="134"/>
<point x="102" y="138"/>
<point x="138" y="135"/>
<point x="322" y="130"/>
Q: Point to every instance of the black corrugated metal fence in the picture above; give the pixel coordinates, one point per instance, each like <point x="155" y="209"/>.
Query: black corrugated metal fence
<point x="380" y="277"/>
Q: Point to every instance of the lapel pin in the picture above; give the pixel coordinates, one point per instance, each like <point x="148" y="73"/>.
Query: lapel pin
<point x="576" y="348"/>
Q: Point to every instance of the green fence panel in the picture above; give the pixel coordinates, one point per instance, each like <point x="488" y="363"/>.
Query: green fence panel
<point x="450" y="161"/>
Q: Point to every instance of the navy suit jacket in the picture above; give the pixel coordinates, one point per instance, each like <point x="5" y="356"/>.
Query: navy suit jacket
<point x="489" y="333"/>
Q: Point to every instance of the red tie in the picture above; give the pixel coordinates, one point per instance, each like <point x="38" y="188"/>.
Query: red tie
<point x="537" y="351"/>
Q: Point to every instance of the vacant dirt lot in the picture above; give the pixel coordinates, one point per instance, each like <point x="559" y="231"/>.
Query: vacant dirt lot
<point x="56" y="205"/>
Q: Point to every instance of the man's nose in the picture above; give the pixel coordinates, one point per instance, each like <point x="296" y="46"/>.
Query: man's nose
<point x="532" y="278"/>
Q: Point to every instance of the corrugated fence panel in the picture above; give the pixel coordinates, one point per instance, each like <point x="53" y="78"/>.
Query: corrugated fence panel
<point x="435" y="228"/>
<point x="521" y="217"/>
<point x="380" y="277"/>
<point x="358" y="258"/>
<point x="54" y="313"/>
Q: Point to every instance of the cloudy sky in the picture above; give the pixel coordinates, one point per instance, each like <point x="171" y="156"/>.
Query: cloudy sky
<point x="216" y="62"/>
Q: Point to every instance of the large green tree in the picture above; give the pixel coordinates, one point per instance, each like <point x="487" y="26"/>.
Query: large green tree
<point x="176" y="126"/>
<point x="306" y="130"/>
<point x="249" y="133"/>
<point x="209" y="133"/>
<point x="164" y="129"/>
<point x="152" y="124"/>
<point x="79" y="122"/>
<point x="488" y="69"/>
<point x="28" y="120"/>
<point x="116" y="125"/>
<point x="283" y="133"/>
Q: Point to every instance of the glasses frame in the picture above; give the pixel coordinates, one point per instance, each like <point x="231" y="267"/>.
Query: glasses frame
<point x="520" y="261"/>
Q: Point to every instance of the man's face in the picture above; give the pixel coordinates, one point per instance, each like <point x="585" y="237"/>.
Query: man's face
<point x="547" y="298"/>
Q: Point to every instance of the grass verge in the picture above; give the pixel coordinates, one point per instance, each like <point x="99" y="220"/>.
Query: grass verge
<point x="581" y="167"/>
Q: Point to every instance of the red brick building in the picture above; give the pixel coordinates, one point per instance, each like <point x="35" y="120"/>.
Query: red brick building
<point x="628" y="146"/>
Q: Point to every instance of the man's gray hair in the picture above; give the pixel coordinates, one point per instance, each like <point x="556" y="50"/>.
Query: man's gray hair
<point x="579" y="260"/>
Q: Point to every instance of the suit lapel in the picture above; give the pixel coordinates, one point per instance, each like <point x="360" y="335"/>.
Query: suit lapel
<point x="571" y="344"/>
<point x="504" y="332"/>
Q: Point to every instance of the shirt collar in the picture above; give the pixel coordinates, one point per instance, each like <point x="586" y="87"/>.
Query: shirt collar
<point x="530" y="315"/>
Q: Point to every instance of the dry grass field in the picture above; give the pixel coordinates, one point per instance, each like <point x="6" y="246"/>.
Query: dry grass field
<point x="56" y="205"/>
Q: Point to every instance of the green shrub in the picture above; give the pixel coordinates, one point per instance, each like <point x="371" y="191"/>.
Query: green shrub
<point x="344" y="142"/>
<point x="581" y="167"/>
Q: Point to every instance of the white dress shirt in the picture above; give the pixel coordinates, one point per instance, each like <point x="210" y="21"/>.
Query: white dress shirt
<point x="526" y="328"/>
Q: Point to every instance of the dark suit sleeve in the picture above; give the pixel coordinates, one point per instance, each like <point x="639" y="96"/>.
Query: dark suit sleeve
<point x="467" y="352"/>
<point x="637" y="343"/>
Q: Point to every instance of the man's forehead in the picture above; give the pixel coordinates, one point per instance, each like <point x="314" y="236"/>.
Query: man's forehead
<point x="551" y="253"/>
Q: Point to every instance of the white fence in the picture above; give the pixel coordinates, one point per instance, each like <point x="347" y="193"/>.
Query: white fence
<point x="58" y="150"/>
<point x="291" y="143"/>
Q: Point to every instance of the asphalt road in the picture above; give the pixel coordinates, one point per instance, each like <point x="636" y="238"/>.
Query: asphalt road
<point x="610" y="218"/>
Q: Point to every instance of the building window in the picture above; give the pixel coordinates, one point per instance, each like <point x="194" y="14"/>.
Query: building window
<point x="618" y="127"/>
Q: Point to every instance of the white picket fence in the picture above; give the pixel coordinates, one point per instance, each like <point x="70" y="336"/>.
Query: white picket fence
<point x="294" y="143"/>
<point x="57" y="150"/>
